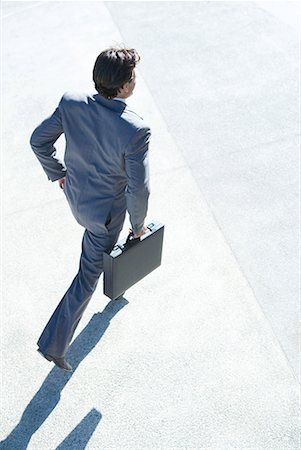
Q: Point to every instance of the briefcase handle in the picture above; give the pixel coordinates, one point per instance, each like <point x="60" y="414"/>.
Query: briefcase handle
<point x="129" y="242"/>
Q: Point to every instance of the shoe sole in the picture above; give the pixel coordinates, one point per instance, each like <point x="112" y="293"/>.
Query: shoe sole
<point x="49" y="358"/>
<point x="45" y="356"/>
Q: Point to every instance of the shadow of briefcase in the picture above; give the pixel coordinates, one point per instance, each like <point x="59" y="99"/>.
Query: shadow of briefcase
<point x="132" y="259"/>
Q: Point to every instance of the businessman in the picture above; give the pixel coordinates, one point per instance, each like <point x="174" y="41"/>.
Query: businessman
<point x="105" y="173"/>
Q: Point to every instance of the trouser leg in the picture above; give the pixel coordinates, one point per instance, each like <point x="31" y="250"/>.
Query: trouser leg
<point x="59" y="330"/>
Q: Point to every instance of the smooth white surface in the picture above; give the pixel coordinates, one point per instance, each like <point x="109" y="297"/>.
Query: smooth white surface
<point x="288" y="12"/>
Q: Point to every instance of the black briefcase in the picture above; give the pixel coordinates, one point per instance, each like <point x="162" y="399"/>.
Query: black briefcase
<point x="131" y="260"/>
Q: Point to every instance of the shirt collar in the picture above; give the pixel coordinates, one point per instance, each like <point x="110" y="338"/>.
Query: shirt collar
<point x="116" y="106"/>
<point x="119" y="99"/>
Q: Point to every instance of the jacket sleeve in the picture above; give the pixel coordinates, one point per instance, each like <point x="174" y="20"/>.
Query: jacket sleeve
<point x="42" y="143"/>
<point x="137" y="170"/>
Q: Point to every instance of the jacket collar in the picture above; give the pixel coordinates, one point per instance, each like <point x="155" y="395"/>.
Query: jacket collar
<point x="115" y="105"/>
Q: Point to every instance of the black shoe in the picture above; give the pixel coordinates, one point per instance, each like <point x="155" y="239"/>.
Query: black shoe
<point x="59" y="362"/>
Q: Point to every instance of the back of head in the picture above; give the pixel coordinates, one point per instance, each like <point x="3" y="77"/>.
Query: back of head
<point x="114" y="67"/>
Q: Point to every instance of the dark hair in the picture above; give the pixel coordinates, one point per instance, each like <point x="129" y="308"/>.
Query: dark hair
<point x="114" y="67"/>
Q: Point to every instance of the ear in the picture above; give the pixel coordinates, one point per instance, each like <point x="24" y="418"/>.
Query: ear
<point x="123" y="89"/>
<point x="126" y="87"/>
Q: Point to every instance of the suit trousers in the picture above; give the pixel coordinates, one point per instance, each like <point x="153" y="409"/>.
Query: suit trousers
<point x="58" y="333"/>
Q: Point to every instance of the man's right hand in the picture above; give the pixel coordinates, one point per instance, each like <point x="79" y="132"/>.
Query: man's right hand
<point x="143" y="231"/>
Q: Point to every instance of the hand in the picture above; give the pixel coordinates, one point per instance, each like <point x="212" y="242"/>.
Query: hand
<point x="143" y="231"/>
<point x="62" y="182"/>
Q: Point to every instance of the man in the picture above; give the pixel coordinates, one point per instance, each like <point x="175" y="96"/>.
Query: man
<point x="105" y="173"/>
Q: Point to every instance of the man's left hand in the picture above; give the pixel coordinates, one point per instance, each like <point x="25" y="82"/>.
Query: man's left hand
<point x="62" y="182"/>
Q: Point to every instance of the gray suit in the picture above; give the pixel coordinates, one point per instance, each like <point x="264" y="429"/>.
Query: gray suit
<point x="106" y="169"/>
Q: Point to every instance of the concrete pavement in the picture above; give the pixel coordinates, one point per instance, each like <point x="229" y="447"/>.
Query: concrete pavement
<point x="189" y="359"/>
<point x="229" y="94"/>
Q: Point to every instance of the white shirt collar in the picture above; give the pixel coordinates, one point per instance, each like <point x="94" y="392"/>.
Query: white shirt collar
<point x="119" y="99"/>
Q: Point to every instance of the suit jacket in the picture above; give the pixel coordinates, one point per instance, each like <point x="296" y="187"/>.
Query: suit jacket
<point x="106" y="157"/>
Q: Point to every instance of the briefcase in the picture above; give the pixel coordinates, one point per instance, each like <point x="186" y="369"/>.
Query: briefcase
<point x="132" y="259"/>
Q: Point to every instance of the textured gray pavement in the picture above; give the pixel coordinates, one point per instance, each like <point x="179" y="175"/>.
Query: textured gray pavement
<point x="228" y="92"/>
<point x="203" y="353"/>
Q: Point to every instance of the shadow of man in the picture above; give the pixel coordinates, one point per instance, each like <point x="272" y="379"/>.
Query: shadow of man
<point x="79" y="437"/>
<point x="48" y="396"/>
